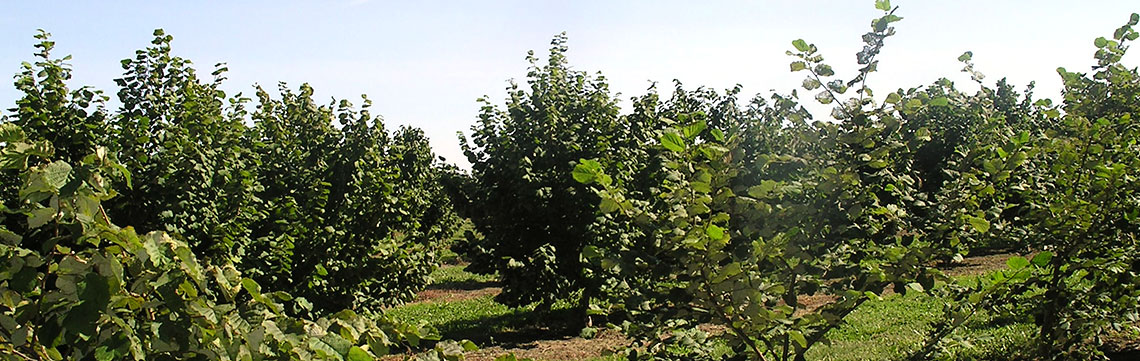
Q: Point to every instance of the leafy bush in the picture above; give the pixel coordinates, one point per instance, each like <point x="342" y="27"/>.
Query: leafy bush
<point x="534" y="217"/>
<point x="354" y="218"/>
<point x="1078" y="195"/>
<point x="75" y="286"/>
<point x="190" y="151"/>
<point x="318" y="200"/>
<point x="777" y="229"/>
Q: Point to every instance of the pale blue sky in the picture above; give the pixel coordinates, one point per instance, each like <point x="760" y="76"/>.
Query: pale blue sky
<point x="425" y="62"/>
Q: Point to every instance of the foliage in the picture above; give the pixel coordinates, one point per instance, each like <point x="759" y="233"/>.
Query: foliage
<point x="52" y="112"/>
<point x="1080" y="200"/>
<point x="534" y="217"/>
<point x="75" y="286"/>
<point x="189" y="151"/>
<point x="357" y="216"/>
<point x="72" y="121"/>
<point x="970" y="146"/>
<point x="752" y="217"/>
<point x="245" y="195"/>
<point x="689" y="210"/>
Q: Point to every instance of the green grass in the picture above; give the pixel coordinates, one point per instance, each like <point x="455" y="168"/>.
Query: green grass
<point x="481" y="319"/>
<point x="455" y="316"/>
<point x="887" y="329"/>
<point x="453" y="274"/>
<point x="485" y="321"/>
<point x="896" y="326"/>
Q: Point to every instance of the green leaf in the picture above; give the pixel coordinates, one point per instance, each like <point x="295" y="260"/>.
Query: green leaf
<point x="798" y="65"/>
<point x="824" y="70"/>
<point x="717" y="134"/>
<point x="979" y="224"/>
<point x="102" y="353"/>
<point x="468" y="345"/>
<point x="801" y="45"/>
<point x="123" y="172"/>
<point x="811" y="84"/>
<point x="11" y="133"/>
<point x="588" y="333"/>
<point x="798" y="337"/>
<point x="1021" y="138"/>
<point x="693" y="130"/>
<point x="923" y="134"/>
<point x="1017" y="262"/>
<point x="323" y="350"/>
<point x="884" y="5"/>
<point x="40" y="217"/>
<point x="700" y="187"/>
<point x="608" y="205"/>
<point x="824" y="97"/>
<point x="673" y="142"/>
<point x="730" y="270"/>
<point x="880" y="24"/>
<point x="252" y="287"/>
<point x="1100" y="42"/>
<point x="10" y="237"/>
<point x="19" y="336"/>
<point x="358" y="354"/>
<point x="57" y="174"/>
<point x="966" y="56"/>
<point x="591" y="252"/>
<point x="1042" y="259"/>
<point x="893" y="98"/>
<point x="763" y="189"/>
<point x="940" y="102"/>
<point x="586" y="171"/>
<point x="714" y="232"/>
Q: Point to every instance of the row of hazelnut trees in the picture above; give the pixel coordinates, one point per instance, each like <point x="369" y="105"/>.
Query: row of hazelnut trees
<point x="275" y="231"/>
<point x="187" y="225"/>
<point x="701" y="208"/>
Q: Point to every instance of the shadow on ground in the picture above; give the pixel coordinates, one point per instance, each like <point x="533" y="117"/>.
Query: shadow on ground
<point x="515" y="329"/>
<point x="463" y="285"/>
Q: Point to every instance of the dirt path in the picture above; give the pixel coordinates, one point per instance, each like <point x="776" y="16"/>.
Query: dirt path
<point x="978" y="265"/>
<point x="569" y="348"/>
<point x="452" y="295"/>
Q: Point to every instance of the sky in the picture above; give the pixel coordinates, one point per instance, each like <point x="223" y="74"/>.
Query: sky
<point x="424" y="63"/>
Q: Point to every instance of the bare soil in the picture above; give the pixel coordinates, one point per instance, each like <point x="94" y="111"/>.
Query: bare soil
<point x="566" y="348"/>
<point x="451" y="295"/>
<point x="977" y="265"/>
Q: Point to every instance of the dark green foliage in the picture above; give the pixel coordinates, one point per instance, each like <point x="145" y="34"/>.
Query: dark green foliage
<point x="317" y="200"/>
<point x="190" y="151"/>
<point x="688" y="210"/>
<point x="756" y="211"/>
<point x="535" y="218"/>
<point x="1078" y="193"/>
<point x="74" y="286"/>
<point x="72" y="121"/>
<point x="355" y="217"/>
<point x="967" y="137"/>
<point x="425" y="212"/>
